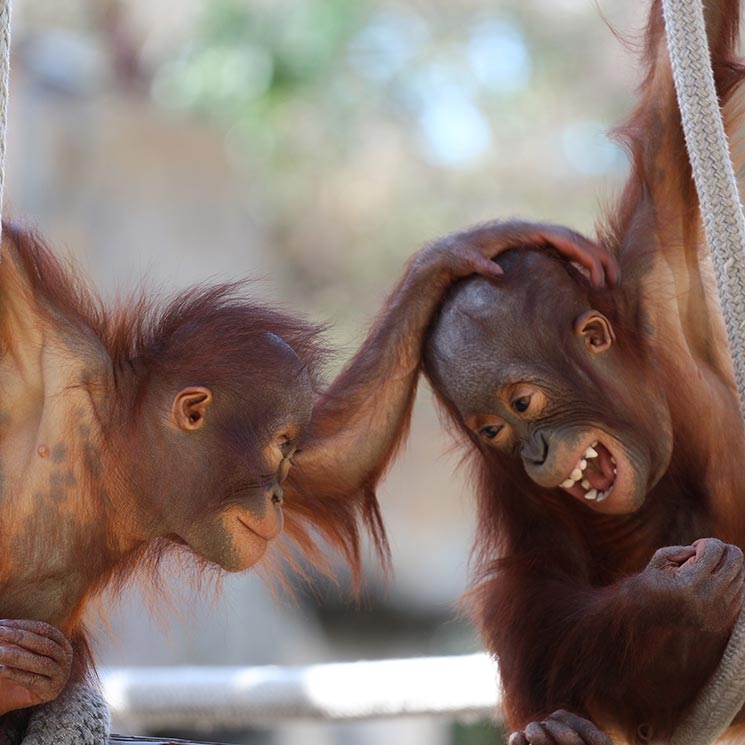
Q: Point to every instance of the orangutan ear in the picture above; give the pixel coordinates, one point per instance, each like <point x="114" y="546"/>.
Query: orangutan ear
<point x="596" y="331"/>
<point x="190" y="407"/>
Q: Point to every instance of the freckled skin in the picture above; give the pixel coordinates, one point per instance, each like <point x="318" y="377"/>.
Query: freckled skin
<point x="59" y="453"/>
<point x="95" y="463"/>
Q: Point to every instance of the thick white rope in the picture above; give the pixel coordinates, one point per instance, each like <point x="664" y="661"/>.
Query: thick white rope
<point x="724" y="225"/>
<point x="5" y="6"/>
<point x="713" y="173"/>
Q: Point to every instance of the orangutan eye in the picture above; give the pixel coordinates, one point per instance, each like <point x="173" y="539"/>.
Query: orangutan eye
<point x="490" y="431"/>
<point x="521" y="404"/>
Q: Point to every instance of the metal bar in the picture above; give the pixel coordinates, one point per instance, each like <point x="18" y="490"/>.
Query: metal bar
<point x="204" y="697"/>
<point x="124" y="740"/>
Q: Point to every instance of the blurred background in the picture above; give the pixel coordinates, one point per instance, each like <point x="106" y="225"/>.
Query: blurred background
<point x="314" y="145"/>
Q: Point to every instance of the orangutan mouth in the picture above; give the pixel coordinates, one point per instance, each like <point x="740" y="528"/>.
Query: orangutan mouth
<point x="594" y="475"/>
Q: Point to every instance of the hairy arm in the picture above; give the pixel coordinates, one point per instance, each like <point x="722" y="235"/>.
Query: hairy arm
<point x="360" y="420"/>
<point x="633" y="653"/>
<point x="657" y="230"/>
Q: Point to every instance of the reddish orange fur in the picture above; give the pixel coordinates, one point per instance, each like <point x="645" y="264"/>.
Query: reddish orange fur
<point x="206" y="335"/>
<point x="547" y="592"/>
<point x="144" y="327"/>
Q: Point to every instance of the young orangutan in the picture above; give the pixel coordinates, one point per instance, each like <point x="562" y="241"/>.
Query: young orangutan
<point x="128" y="431"/>
<point x="125" y="431"/>
<point x="607" y="442"/>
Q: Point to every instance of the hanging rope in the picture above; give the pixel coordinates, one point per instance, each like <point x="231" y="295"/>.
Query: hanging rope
<point x="713" y="174"/>
<point x="4" y="89"/>
<point x="724" y="226"/>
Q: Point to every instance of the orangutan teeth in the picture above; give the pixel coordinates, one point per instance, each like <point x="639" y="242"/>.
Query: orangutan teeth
<point x="603" y="495"/>
<point x="577" y="477"/>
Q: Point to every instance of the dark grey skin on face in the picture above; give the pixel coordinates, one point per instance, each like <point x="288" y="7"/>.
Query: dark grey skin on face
<point x="541" y="381"/>
<point x="235" y="506"/>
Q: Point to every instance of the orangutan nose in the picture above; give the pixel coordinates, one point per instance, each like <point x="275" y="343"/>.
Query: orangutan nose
<point x="278" y="495"/>
<point x="534" y="450"/>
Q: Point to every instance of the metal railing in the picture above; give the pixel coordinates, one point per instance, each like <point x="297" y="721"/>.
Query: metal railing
<point x="236" y="697"/>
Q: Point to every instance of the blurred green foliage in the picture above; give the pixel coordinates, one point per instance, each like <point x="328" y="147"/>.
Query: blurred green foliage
<point x="365" y="128"/>
<point x="244" y="55"/>
<point x="481" y="732"/>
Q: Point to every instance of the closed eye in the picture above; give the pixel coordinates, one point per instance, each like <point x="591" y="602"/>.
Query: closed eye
<point x="261" y="482"/>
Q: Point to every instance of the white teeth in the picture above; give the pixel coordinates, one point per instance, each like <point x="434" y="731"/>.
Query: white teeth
<point x="577" y="476"/>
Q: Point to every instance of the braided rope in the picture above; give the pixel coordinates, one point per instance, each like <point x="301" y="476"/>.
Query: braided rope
<point x="724" y="225"/>
<point x="79" y="716"/>
<point x="713" y="174"/>
<point x="4" y="89"/>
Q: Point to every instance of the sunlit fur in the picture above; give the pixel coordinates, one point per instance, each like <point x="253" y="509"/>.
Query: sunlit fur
<point x="209" y="335"/>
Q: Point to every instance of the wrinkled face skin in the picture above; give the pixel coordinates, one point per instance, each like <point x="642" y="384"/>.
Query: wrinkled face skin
<point x="536" y="374"/>
<point x="224" y="466"/>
